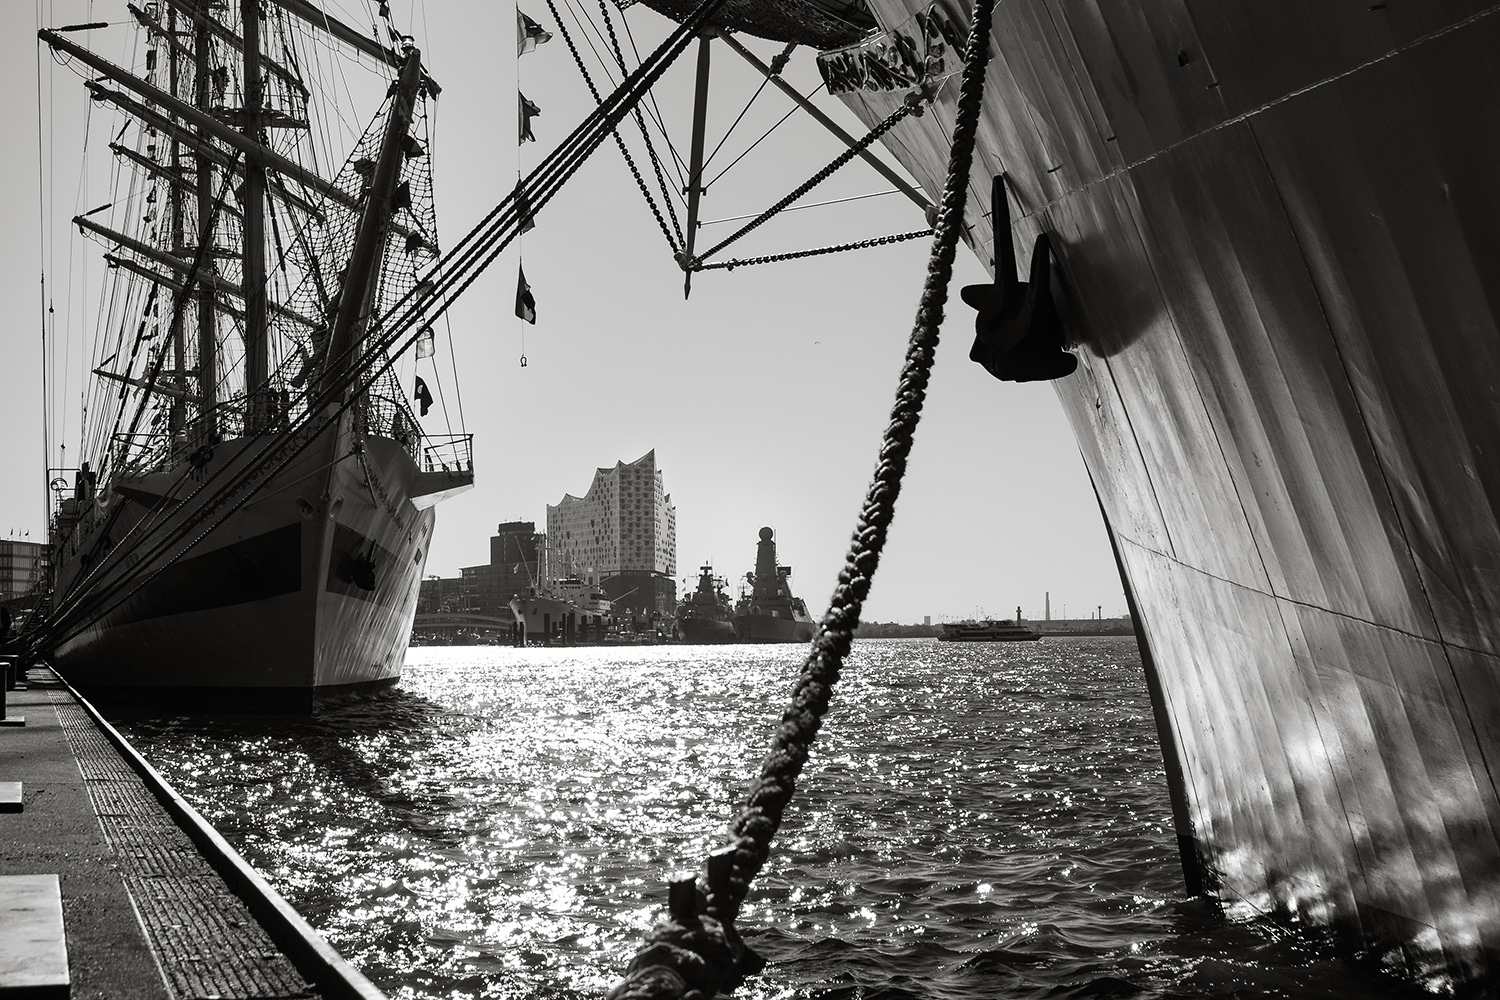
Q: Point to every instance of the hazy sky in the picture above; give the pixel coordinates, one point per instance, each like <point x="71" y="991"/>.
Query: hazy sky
<point x="764" y="394"/>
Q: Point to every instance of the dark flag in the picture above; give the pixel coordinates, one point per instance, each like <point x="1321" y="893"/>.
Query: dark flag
<point x="525" y="303"/>
<point x="422" y="396"/>
<point x="529" y="34"/>
<point x="528" y="112"/>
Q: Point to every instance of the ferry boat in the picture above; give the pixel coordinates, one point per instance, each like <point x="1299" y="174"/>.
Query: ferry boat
<point x="987" y="631"/>
<point x="252" y="504"/>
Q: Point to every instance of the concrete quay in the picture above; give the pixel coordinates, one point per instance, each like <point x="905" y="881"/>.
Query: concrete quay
<point x="154" y="903"/>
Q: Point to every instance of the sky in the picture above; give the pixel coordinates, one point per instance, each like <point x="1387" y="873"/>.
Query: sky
<point x="764" y="394"/>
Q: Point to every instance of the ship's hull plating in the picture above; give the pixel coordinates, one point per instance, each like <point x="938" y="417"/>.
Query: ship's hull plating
<point x="702" y="631"/>
<point x="1277" y="229"/>
<point x="749" y="627"/>
<point x="268" y="609"/>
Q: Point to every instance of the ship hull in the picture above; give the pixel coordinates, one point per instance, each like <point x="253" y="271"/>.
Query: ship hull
<point x="1275" y="232"/>
<point x="267" y="610"/>
<point x="704" y="631"/>
<point x="547" y="620"/>
<point x="770" y="628"/>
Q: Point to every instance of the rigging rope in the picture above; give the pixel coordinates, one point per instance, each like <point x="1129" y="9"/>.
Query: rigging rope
<point x="635" y="172"/>
<point x="400" y="327"/>
<point x="696" y="952"/>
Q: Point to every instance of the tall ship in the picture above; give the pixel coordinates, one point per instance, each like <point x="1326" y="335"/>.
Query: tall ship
<point x="1254" y="247"/>
<point x="252" y="502"/>
<point x="769" y="612"/>
<point x="705" y="615"/>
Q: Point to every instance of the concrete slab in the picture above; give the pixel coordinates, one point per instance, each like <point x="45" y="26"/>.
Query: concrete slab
<point x="33" y="949"/>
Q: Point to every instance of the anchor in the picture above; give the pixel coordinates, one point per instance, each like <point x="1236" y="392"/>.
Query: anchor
<point x="1018" y="333"/>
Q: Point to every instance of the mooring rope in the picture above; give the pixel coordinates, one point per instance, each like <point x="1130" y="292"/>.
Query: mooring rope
<point x="696" y="953"/>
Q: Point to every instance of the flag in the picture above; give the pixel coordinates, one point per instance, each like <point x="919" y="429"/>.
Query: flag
<point x="422" y="396"/>
<point x="426" y="342"/>
<point x="523" y="209"/>
<point x="529" y="34"/>
<point x="525" y="303"/>
<point x="528" y="112"/>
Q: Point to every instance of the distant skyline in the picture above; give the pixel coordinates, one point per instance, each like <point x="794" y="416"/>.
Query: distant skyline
<point x="764" y="394"/>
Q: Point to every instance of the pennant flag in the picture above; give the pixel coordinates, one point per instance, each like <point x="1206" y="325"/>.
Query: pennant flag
<point x="426" y="343"/>
<point x="422" y="396"/>
<point x="523" y="209"/>
<point x="525" y="302"/>
<point x="528" y="112"/>
<point x="529" y="34"/>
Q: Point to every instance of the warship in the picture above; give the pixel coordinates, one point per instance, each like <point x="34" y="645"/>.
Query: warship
<point x="769" y="612"/>
<point x="705" y="615"/>
<point x="252" y="504"/>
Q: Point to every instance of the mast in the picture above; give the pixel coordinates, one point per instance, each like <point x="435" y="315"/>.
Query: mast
<point x="208" y="350"/>
<point x="177" y="415"/>
<point x="253" y="202"/>
<point x="359" y="286"/>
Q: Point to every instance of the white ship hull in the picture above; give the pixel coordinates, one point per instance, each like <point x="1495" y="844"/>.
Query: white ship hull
<point x="269" y="607"/>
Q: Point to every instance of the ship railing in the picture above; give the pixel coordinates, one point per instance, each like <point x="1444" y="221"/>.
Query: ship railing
<point x="139" y="454"/>
<point x="388" y="417"/>
<point x="449" y="453"/>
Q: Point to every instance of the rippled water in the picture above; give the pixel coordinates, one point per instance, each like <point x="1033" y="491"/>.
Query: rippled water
<point x="978" y="820"/>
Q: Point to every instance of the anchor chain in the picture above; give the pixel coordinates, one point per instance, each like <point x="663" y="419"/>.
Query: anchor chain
<point x="672" y="243"/>
<point x="696" y="952"/>
<point x="730" y="265"/>
<point x="912" y="105"/>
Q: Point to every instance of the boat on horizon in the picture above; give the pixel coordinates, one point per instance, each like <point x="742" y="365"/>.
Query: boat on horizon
<point x="252" y="505"/>
<point x="988" y="630"/>
<point x="769" y="612"/>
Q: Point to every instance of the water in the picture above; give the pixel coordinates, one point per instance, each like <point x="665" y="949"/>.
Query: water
<point x="978" y="820"/>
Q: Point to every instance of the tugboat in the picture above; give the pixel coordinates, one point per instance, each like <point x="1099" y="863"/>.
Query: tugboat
<point x="769" y="613"/>
<point x="704" y="616"/>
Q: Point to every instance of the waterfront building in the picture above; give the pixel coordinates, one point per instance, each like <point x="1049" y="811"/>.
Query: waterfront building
<point x="621" y="535"/>
<point x="518" y="561"/>
<point x="22" y="565"/>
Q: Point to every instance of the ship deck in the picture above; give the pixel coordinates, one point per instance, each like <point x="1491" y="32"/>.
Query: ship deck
<point x="155" y="904"/>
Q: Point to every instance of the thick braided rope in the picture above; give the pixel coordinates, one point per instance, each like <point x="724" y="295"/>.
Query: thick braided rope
<point x="696" y="957"/>
<point x="775" y="258"/>
<point x="890" y="122"/>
